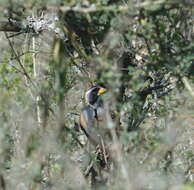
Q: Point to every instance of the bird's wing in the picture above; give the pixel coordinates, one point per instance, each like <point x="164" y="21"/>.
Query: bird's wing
<point x="87" y="122"/>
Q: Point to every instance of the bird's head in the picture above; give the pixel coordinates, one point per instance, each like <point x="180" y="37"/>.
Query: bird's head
<point x="93" y="94"/>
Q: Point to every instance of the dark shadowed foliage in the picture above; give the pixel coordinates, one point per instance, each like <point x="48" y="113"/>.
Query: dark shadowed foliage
<point x="140" y="51"/>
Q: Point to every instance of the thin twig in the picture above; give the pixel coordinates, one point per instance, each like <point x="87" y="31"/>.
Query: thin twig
<point x="88" y="169"/>
<point x="104" y="151"/>
<point x="36" y="76"/>
<point x="18" y="59"/>
<point x="17" y="34"/>
<point x="15" y="67"/>
<point x="188" y="86"/>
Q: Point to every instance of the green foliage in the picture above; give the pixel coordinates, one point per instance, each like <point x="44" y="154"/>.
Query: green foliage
<point x="142" y="52"/>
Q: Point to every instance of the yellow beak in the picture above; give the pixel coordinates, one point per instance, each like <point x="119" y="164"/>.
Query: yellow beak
<point x="101" y="91"/>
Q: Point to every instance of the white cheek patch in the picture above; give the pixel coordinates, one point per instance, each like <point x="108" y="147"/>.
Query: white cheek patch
<point x="87" y="95"/>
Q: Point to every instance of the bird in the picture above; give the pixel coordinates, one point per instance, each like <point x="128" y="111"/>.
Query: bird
<point x="92" y="116"/>
<point x="92" y="123"/>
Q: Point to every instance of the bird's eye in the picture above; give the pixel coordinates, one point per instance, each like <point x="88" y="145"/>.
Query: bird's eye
<point x="94" y="93"/>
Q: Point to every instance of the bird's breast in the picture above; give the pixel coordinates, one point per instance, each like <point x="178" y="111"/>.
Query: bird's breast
<point x="89" y="116"/>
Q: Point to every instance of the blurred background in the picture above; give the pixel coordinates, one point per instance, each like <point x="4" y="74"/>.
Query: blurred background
<point x="52" y="51"/>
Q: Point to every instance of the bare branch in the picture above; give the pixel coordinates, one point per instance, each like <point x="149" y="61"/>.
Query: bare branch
<point x="18" y="59"/>
<point x="10" y="27"/>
